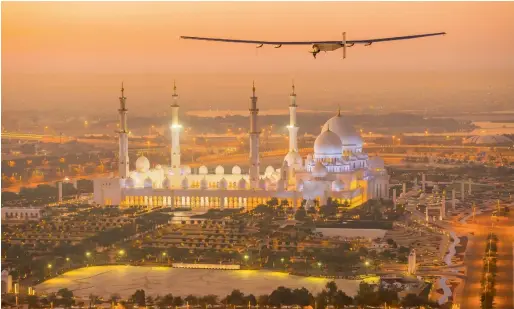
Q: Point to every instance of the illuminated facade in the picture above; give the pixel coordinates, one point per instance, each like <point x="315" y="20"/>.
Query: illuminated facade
<point x="338" y="169"/>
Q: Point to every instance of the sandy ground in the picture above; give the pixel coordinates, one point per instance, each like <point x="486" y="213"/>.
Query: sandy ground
<point x="125" y="280"/>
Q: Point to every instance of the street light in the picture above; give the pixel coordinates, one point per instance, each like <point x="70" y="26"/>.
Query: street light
<point x="366" y="263"/>
<point x="121" y="252"/>
<point x="67" y="259"/>
<point x="49" y="266"/>
<point x="88" y="254"/>
<point x="246" y="257"/>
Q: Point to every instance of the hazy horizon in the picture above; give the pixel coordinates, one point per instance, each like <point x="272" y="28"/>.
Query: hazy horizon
<point x="72" y="56"/>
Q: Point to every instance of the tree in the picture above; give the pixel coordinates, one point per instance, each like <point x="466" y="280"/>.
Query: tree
<point x="331" y="288"/>
<point x="250" y="299"/>
<point x="328" y="210"/>
<point x="302" y="297"/>
<point x="322" y="299"/>
<point x="165" y="301"/>
<point x="366" y="295"/>
<point x="273" y="202"/>
<point x="341" y="300"/>
<point x="300" y="214"/>
<point x="235" y="298"/>
<point x="191" y="300"/>
<point x="387" y="296"/>
<point x="412" y="300"/>
<point x="65" y="298"/>
<point x="208" y="300"/>
<point x="177" y="301"/>
<point x="32" y="301"/>
<point x="263" y="300"/>
<point x="263" y="209"/>
<point x="281" y="297"/>
<point x="139" y="298"/>
<point x="115" y="297"/>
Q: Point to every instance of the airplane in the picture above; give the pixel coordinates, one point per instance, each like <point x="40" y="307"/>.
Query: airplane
<point x="317" y="46"/>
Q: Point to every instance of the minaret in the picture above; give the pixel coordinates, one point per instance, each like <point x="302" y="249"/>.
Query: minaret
<point x="123" y="133"/>
<point x="292" y="127"/>
<point x="175" y="133"/>
<point x="411" y="268"/>
<point x="254" y="142"/>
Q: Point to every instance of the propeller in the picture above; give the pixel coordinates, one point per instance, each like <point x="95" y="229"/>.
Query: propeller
<point x="344" y="45"/>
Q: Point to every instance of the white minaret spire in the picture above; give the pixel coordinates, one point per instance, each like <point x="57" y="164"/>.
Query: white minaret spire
<point x="254" y="141"/>
<point x="123" y="167"/>
<point x="175" y="133"/>
<point x="292" y="127"/>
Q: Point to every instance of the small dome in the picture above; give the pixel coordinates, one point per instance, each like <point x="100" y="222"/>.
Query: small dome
<point x="293" y="158"/>
<point x="269" y="170"/>
<point x="376" y="163"/>
<point x="186" y="170"/>
<point x="242" y="184"/>
<point x="158" y="167"/>
<point x="337" y="185"/>
<point x="319" y="170"/>
<point x="148" y="182"/>
<point x="203" y="170"/>
<point x="204" y="184"/>
<point x="185" y="183"/>
<point x="328" y="144"/>
<point x="129" y="183"/>
<point x="219" y="170"/>
<point x="166" y="183"/>
<point x="223" y="184"/>
<point x="236" y="170"/>
<point x="142" y="164"/>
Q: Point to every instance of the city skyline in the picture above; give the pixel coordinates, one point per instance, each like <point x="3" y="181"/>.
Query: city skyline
<point x="84" y="50"/>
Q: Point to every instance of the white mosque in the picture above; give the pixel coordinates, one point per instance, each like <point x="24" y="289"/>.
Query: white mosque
<point x="338" y="169"/>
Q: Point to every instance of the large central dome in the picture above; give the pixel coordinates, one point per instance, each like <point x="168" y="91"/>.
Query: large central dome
<point x="344" y="129"/>
<point x="328" y="144"/>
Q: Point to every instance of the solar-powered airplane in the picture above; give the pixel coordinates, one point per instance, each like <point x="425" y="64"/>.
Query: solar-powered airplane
<point x="317" y="46"/>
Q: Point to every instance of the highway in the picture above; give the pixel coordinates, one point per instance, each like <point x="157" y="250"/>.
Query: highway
<point x="504" y="229"/>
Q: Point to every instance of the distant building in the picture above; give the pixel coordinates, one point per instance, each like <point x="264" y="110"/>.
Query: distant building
<point x="338" y="169"/>
<point x="489" y="140"/>
<point x="21" y="214"/>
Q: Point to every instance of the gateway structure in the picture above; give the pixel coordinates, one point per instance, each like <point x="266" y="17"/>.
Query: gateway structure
<point x="337" y="170"/>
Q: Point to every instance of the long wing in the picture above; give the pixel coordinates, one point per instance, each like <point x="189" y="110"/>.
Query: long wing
<point x="368" y="41"/>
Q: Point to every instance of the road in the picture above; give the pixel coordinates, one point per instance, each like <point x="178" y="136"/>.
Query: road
<point x="504" y="229"/>
<point x="17" y="187"/>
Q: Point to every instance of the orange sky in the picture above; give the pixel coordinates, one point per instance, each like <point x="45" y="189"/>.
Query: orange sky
<point x="72" y="55"/>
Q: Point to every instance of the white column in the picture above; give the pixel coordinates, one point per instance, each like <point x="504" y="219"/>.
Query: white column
<point x="59" y="189"/>
<point x="123" y="168"/>
<point x="404" y="189"/>
<point x="426" y="214"/>
<point x="442" y="214"/>
<point x="254" y="142"/>
<point x="462" y="193"/>
<point x="292" y="127"/>
<point x="394" y="198"/>
<point x="176" y="127"/>
<point x="470" y="184"/>
<point x="423" y="181"/>
<point x="453" y="199"/>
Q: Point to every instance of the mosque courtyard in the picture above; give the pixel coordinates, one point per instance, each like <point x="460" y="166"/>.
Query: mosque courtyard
<point x="105" y="281"/>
